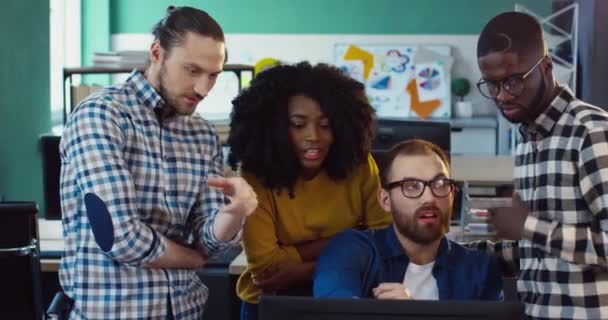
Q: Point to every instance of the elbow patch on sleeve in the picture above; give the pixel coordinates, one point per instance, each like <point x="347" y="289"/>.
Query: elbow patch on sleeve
<point x="100" y="221"/>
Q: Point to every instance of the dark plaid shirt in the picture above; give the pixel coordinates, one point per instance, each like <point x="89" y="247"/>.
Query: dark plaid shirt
<point x="561" y="173"/>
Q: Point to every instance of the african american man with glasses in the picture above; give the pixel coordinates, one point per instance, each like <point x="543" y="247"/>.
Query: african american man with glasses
<point x="411" y="259"/>
<point x="559" y="218"/>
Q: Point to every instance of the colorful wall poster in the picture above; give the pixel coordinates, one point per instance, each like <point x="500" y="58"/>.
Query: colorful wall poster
<point x="401" y="80"/>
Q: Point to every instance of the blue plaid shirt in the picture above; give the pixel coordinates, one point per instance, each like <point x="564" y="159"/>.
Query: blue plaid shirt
<point x="151" y="174"/>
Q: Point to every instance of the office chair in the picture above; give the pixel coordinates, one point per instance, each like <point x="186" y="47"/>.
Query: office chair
<point x="60" y="307"/>
<point x="20" y="261"/>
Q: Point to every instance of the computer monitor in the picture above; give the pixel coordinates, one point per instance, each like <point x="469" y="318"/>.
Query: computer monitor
<point x="301" y="308"/>
<point x="390" y="131"/>
<point x="51" y="169"/>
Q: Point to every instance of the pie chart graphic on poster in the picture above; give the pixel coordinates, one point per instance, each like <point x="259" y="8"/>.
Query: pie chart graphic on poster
<point x="430" y="77"/>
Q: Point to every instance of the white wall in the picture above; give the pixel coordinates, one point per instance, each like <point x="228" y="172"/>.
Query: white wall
<point x="249" y="48"/>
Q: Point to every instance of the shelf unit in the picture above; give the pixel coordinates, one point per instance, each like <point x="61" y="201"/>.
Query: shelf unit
<point x="560" y="29"/>
<point x="238" y="69"/>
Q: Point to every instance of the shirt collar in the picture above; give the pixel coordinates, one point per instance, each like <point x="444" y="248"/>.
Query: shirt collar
<point x="392" y="249"/>
<point x="144" y="91"/>
<point x="545" y="122"/>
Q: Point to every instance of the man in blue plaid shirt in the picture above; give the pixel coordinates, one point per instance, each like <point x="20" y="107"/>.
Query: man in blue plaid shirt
<point x="560" y="212"/>
<point x="143" y="199"/>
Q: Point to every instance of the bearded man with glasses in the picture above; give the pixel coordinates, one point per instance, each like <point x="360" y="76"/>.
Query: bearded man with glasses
<point x="558" y="223"/>
<point x="411" y="259"/>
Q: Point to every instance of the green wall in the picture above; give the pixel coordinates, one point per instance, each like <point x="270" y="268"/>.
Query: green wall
<point x="102" y="18"/>
<point x="24" y="97"/>
<point x="95" y="35"/>
<point x="326" y="16"/>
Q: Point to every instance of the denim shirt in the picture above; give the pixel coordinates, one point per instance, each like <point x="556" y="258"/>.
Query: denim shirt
<point x="354" y="262"/>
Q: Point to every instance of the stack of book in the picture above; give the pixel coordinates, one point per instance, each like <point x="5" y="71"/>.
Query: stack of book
<point x="121" y="59"/>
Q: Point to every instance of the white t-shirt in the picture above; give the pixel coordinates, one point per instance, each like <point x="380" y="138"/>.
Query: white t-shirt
<point x="420" y="282"/>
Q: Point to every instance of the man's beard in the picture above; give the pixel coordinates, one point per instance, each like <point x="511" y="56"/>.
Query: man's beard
<point x="532" y="110"/>
<point x="534" y="107"/>
<point x="169" y="106"/>
<point x="410" y="227"/>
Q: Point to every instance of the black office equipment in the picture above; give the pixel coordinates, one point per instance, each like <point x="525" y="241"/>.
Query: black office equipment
<point x="51" y="169"/>
<point x="300" y="308"/>
<point x="390" y="131"/>
<point x="20" y="261"/>
<point x="222" y="302"/>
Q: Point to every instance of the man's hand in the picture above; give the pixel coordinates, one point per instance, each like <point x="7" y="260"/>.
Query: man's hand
<point x="243" y="202"/>
<point x="243" y="199"/>
<point x="284" y="276"/>
<point x="509" y="221"/>
<point x="391" y="290"/>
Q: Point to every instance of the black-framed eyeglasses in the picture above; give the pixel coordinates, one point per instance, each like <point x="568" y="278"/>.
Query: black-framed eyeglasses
<point x="513" y="84"/>
<point x="414" y="188"/>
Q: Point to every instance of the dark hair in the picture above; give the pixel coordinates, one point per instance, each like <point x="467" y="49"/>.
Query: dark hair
<point x="410" y="147"/>
<point x="171" y="30"/>
<point x="512" y="32"/>
<point x="259" y="128"/>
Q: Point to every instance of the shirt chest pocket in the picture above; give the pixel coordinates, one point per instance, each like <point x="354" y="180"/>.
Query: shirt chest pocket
<point x="185" y="175"/>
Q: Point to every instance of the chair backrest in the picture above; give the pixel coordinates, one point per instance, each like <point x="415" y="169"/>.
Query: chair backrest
<point x="19" y="261"/>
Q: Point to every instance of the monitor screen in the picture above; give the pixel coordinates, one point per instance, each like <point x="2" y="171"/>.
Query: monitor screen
<point x="390" y="131"/>
<point x="51" y="170"/>
<point x="301" y="308"/>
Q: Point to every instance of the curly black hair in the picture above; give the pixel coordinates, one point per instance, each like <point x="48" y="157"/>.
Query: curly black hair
<point x="259" y="137"/>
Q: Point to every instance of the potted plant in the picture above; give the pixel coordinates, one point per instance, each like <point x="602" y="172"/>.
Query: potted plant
<point x="460" y="88"/>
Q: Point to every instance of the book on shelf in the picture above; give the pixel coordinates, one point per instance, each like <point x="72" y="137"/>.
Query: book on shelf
<point x="120" y="59"/>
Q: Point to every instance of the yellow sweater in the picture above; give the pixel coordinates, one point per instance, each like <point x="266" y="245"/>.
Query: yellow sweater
<point x="321" y="208"/>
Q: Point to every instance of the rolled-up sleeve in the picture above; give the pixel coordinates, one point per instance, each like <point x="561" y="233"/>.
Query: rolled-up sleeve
<point x="208" y="204"/>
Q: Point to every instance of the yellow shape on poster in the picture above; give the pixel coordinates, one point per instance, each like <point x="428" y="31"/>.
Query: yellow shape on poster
<point x="356" y="53"/>
<point x="422" y="109"/>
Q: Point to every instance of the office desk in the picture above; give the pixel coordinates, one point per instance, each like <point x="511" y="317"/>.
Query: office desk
<point x="51" y="244"/>
<point x="477" y="170"/>
<point x="238" y="265"/>
<point x="50" y="252"/>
